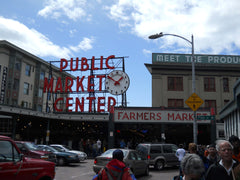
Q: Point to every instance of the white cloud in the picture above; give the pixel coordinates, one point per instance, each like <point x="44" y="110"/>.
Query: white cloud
<point x="85" y="44"/>
<point x="73" y="9"/>
<point x="36" y="43"/>
<point x="214" y="23"/>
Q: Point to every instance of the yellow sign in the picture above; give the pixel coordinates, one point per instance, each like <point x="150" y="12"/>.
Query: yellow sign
<point x="194" y="101"/>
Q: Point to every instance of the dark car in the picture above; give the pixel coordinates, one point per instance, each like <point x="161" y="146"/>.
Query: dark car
<point x="29" y="149"/>
<point x="62" y="157"/>
<point x="14" y="165"/>
<point x="159" y="155"/>
<point x="138" y="165"/>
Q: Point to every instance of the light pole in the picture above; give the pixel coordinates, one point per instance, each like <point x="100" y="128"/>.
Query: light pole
<point x="155" y="36"/>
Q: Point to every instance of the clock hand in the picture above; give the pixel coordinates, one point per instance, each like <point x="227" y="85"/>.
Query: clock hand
<point x="117" y="82"/>
<point x="111" y="78"/>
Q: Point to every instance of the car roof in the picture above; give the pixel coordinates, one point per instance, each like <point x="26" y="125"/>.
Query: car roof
<point x="4" y="137"/>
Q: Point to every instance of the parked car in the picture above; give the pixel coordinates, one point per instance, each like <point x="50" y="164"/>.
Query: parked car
<point x="15" y="166"/>
<point x="62" y="157"/>
<point x="29" y="149"/>
<point x="159" y="155"/>
<point x="132" y="159"/>
<point x="81" y="155"/>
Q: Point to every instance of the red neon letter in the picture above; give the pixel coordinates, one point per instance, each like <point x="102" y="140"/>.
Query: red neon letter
<point x="79" y="83"/>
<point x="59" y="85"/>
<point x="90" y="85"/>
<point x="113" y="100"/>
<point x="100" y="81"/>
<point x="100" y="104"/>
<point x="55" y="104"/>
<point x="68" y="86"/>
<point x="71" y="64"/>
<point x="61" y="64"/>
<point x="79" y="104"/>
<point x="109" y="57"/>
<point x="84" y="62"/>
<point x="90" y="103"/>
<point x="46" y="85"/>
<point x="93" y="64"/>
<point x="68" y="104"/>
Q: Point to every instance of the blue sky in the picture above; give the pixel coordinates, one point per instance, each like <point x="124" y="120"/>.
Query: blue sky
<point x="54" y="29"/>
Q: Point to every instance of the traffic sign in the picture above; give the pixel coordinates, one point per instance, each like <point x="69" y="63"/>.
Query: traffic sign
<point x="205" y="117"/>
<point x="194" y="101"/>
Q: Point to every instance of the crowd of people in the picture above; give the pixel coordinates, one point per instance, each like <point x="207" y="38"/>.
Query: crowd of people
<point x="218" y="161"/>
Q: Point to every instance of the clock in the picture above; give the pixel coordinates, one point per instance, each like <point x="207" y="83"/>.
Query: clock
<point x="117" y="82"/>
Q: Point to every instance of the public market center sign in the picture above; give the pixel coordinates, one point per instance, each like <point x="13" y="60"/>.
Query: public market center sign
<point x="199" y="58"/>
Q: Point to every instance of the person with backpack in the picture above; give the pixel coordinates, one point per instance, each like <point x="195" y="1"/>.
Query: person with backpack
<point x="115" y="169"/>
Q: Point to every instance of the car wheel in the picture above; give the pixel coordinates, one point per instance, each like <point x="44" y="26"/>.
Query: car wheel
<point x="159" y="165"/>
<point x="147" y="171"/>
<point x="60" y="161"/>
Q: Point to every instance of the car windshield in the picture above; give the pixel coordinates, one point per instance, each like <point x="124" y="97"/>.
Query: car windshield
<point x="142" y="149"/>
<point x="67" y="148"/>
<point x="31" y="146"/>
<point x="47" y="148"/>
<point x="109" y="152"/>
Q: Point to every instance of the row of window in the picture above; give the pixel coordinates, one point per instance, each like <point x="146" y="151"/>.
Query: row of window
<point x="176" y="84"/>
<point x="180" y="103"/>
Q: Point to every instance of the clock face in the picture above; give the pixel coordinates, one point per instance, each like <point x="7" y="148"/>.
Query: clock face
<point x="117" y="82"/>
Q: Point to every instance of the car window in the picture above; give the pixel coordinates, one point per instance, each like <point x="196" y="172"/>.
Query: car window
<point x="174" y="148"/>
<point x="8" y="152"/>
<point x="138" y="156"/>
<point x="142" y="149"/>
<point x="155" y="149"/>
<point x="132" y="156"/>
<point x="167" y="149"/>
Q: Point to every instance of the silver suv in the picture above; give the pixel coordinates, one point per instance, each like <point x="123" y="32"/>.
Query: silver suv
<point x="159" y="155"/>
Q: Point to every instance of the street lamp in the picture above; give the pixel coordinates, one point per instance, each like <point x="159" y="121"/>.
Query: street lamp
<point x="155" y="36"/>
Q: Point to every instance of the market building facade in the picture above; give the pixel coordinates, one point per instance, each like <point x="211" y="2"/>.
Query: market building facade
<point x="36" y="108"/>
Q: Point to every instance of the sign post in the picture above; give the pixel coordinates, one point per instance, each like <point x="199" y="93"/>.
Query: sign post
<point x="194" y="102"/>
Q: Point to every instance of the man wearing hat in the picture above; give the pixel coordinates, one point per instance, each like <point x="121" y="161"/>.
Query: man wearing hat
<point x="115" y="169"/>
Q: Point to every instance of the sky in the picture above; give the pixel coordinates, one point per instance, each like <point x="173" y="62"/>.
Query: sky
<point x="54" y="29"/>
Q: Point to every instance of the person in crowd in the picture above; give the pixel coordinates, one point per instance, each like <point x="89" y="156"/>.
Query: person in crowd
<point x="223" y="170"/>
<point x="192" y="148"/>
<point x="99" y="146"/>
<point x="122" y="144"/>
<point x="180" y="153"/>
<point x="192" y="168"/>
<point x="212" y="156"/>
<point x="234" y="140"/>
<point x="115" y="169"/>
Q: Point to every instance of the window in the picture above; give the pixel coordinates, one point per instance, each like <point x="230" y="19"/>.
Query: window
<point x="175" y="102"/>
<point x="25" y="104"/>
<point x="40" y="93"/>
<point x="155" y="149"/>
<point x="16" y="84"/>
<point x="211" y="104"/>
<point x="28" y="70"/>
<point x="209" y="84"/>
<point x="26" y="88"/>
<point x="226" y="101"/>
<point x="42" y="75"/>
<point x="39" y="108"/>
<point x="175" y="84"/>
<point x="225" y="85"/>
<point x="8" y="152"/>
<point x="221" y="134"/>
<point x="167" y="149"/>
<point x="17" y="65"/>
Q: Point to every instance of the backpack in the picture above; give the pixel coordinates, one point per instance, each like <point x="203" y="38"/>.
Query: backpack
<point x="99" y="176"/>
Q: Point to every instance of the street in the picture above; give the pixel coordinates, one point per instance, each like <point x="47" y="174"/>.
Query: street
<point x="83" y="171"/>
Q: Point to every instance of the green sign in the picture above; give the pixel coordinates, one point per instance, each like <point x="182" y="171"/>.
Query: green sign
<point x="199" y="58"/>
<point x="205" y="117"/>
